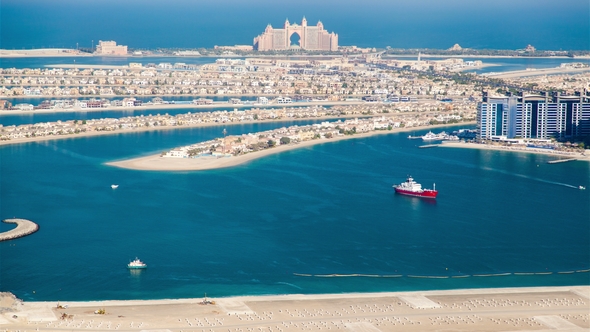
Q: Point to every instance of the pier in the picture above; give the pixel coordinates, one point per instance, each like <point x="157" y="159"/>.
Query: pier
<point x="428" y="146"/>
<point x="561" y="161"/>
<point x="24" y="227"/>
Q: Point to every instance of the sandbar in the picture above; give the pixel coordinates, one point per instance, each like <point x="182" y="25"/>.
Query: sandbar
<point x="500" y="309"/>
<point x="157" y="163"/>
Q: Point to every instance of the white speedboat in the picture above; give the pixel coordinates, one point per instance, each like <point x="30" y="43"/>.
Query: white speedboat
<point x="114" y="186"/>
<point x="136" y="264"/>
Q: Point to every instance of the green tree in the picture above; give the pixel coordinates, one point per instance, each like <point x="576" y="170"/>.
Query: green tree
<point x="271" y="143"/>
<point x="285" y="140"/>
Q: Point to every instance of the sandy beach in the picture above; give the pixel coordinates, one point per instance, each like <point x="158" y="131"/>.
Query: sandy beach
<point x="501" y="309"/>
<point x="157" y="163"/>
<point x="557" y="154"/>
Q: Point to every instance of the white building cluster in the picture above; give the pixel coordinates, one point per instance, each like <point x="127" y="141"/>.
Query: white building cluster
<point x="333" y="79"/>
<point x="410" y="118"/>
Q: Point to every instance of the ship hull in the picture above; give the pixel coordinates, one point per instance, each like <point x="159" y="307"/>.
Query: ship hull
<point x="423" y="193"/>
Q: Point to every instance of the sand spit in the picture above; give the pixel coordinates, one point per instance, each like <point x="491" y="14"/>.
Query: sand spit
<point x="157" y="163"/>
<point x="503" y="309"/>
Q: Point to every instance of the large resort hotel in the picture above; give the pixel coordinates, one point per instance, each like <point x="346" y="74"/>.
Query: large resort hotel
<point x="311" y="38"/>
<point x="534" y="116"/>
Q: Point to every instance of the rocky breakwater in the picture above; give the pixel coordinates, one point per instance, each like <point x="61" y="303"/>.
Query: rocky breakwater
<point x="24" y="227"/>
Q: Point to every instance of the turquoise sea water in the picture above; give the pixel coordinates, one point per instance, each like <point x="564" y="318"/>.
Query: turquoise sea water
<point x="326" y="209"/>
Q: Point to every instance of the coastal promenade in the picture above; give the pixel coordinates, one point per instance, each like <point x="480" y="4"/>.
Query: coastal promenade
<point x="502" y="309"/>
<point x="558" y="154"/>
<point x="24" y="227"/>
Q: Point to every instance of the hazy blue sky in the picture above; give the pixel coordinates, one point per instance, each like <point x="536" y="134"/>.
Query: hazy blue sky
<point x="204" y="23"/>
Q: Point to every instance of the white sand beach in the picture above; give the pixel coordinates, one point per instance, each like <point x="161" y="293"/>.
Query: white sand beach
<point x="502" y="309"/>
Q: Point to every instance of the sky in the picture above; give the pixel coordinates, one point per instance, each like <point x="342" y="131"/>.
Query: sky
<point x="511" y="24"/>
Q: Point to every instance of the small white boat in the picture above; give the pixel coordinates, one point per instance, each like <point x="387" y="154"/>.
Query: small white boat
<point x="136" y="264"/>
<point x="114" y="186"/>
<point x="582" y="188"/>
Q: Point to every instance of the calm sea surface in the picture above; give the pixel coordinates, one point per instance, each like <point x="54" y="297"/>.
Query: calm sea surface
<point x="326" y="209"/>
<point x="500" y="24"/>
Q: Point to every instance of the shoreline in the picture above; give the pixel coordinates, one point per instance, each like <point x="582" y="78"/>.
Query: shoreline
<point x="187" y="106"/>
<point x="162" y="128"/>
<point x="482" y="309"/>
<point x="323" y="296"/>
<point x="55" y="52"/>
<point x="558" y="154"/>
<point x="157" y="163"/>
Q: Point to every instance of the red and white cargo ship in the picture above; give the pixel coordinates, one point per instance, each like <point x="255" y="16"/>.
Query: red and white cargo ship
<point x="412" y="188"/>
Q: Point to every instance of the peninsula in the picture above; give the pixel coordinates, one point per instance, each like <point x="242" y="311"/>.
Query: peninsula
<point x="237" y="150"/>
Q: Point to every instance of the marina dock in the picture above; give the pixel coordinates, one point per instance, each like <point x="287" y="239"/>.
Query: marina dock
<point x="561" y="161"/>
<point x="24" y="227"/>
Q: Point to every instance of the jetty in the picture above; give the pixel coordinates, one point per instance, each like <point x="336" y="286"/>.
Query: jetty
<point x="24" y="227"/>
<point x="428" y="146"/>
<point x="561" y="161"/>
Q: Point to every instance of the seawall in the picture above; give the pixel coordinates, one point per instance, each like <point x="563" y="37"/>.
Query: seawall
<point x="24" y="227"/>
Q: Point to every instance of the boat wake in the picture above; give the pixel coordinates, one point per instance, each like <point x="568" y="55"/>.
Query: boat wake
<point x="289" y="284"/>
<point x="69" y="152"/>
<point x="531" y="178"/>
